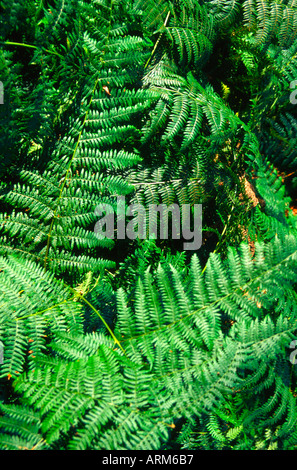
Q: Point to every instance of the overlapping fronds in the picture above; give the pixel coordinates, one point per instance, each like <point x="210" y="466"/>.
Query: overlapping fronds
<point x="140" y="341"/>
<point x="198" y="336"/>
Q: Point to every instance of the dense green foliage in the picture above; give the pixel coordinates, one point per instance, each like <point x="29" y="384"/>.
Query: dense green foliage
<point x="138" y="344"/>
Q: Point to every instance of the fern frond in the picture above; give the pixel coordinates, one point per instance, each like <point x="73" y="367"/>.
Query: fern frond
<point x="25" y="425"/>
<point x="225" y="11"/>
<point x="58" y="211"/>
<point x="197" y="335"/>
<point x="190" y="102"/>
<point x="31" y="305"/>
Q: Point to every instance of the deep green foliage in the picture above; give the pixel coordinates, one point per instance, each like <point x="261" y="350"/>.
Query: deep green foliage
<point x="138" y="344"/>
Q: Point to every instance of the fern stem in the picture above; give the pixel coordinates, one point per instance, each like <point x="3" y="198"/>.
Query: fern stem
<point x="39" y="9"/>
<point x="75" y="149"/>
<point x="100" y="316"/>
<point x="64" y="301"/>
<point x="66" y="176"/>
<point x="158" y="40"/>
<point x="20" y="44"/>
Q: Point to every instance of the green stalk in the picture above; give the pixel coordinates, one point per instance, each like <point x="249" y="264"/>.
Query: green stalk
<point x="158" y="40"/>
<point x="30" y="46"/>
<point x="100" y="316"/>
